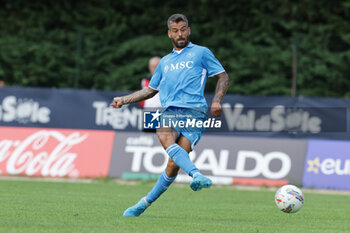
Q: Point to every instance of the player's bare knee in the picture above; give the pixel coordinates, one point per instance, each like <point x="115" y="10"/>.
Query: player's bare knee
<point x="172" y="165"/>
<point x="172" y="169"/>
<point x="163" y="137"/>
<point x="166" y="138"/>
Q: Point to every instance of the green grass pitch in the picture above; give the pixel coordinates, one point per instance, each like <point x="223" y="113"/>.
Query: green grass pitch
<point x="40" y="206"/>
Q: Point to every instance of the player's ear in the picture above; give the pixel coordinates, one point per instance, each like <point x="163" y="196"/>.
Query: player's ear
<point x="189" y="31"/>
<point x="169" y="33"/>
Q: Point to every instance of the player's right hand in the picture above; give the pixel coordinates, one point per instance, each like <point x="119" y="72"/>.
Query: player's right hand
<point x="117" y="102"/>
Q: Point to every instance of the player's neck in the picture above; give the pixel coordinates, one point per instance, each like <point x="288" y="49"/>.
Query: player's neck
<point x="178" y="50"/>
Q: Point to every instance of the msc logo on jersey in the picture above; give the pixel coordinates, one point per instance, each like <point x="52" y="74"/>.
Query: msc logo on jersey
<point x="151" y="120"/>
<point x="179" y="66"/>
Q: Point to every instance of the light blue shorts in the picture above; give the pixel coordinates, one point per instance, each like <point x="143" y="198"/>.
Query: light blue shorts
<point x="183" y="120"/>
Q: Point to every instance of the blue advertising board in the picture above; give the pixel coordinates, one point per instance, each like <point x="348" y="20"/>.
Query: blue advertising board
<point x="258" y="116"/>
<point x="65" y="108"/>
<point x="327" y="165"/>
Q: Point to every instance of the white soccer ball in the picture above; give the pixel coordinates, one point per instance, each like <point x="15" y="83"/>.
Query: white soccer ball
<point x="289" y="199"/>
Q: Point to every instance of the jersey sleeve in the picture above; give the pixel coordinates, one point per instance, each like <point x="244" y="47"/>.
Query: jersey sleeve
<point x="156" y="78"/>
<point x="211" y="64"/>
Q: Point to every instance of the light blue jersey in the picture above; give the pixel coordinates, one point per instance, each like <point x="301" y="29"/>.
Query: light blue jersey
<point x="180" y="77"/>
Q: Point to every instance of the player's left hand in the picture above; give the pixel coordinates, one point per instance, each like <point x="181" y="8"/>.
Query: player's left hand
<point x="216" y="109"/>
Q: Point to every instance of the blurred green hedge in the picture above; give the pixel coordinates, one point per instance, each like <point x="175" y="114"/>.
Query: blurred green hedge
<point x="105" y="44"/>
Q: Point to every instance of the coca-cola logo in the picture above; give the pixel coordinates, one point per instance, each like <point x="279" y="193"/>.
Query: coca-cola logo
<point x="43" y="153"/>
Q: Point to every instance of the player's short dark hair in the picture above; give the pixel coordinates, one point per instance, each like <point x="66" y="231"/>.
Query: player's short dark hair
<point x="175" y="18"/>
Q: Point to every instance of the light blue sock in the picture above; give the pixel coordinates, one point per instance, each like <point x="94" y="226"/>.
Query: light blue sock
<point x="182" y="159"/>
<point x="163" y="183"/>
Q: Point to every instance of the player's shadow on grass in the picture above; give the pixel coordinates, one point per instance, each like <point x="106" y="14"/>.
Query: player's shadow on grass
<point x="181" y="218"/>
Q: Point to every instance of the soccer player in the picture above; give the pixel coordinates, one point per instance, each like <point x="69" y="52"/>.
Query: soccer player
<point x="180" y="78"/>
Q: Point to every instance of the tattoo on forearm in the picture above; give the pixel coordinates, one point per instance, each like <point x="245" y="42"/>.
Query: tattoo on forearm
<point x="221" y="88"/>
<point x="138" y="96"/>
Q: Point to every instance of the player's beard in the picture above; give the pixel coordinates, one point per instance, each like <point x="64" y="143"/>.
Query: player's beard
<point x="181" y="42"/>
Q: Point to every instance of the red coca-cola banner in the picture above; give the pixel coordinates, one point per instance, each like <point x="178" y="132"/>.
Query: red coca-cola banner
<point x="55" y="152"/>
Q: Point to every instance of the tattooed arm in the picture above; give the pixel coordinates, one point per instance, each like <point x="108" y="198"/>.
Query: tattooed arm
<point x="137" y="96"/>
<point x="221" y="88"/>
